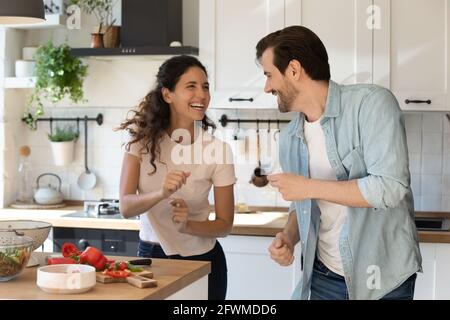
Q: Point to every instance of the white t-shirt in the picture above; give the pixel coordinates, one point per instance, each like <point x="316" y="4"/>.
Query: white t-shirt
<point x="332" y="216"/>
<point x="156" y="225"/>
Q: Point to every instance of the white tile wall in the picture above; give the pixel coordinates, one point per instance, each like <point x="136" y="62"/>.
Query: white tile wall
<point x="428" y="137"/>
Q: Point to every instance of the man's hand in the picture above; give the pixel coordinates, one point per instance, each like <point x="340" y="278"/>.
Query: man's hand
<point x="281" y="250"/>
<point x="173" y="181"/>
<point x="292" y="187"/>
<point x="179" y="214"/>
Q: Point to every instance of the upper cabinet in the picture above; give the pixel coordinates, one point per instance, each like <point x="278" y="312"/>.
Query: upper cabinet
<point x="229" y="32"/>
<point x="411" y="52"/>
<point x="343" y="27"/>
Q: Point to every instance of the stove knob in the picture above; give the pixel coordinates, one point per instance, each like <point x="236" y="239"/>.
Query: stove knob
<point x="83" y="244"/>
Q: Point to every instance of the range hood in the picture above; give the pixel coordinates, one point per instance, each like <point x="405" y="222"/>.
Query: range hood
<point x="134" y="51"/>
<point x="148" y="28"/>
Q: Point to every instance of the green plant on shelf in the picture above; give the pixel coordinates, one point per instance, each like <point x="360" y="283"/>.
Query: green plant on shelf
<point x="101" y="9"/>
<point x="58" y="74"/>
<point x="63" y="134"/>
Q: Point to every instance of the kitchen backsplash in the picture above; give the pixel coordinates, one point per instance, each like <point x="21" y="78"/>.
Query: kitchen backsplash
<point x="428" y="136"/>
<point x="105" y="153"/>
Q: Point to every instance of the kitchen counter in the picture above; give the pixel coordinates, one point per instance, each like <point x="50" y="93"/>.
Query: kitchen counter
<point x="261" y="223"/>
<point x="266" y="223"/>
<point x="177" y="279"/>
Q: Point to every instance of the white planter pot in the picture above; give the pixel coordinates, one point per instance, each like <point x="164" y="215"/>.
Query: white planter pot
<point x="25" y="68"/>
<point x="63" y="152"/>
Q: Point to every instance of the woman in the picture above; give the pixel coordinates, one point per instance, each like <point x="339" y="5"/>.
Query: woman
<point x="163" y="179"/>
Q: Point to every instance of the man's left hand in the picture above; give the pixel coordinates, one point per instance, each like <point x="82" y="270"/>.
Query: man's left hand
<point x="292" y="187"/>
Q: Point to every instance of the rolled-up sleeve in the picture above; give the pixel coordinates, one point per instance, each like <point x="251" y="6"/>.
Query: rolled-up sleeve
<point x="383" y="140"/>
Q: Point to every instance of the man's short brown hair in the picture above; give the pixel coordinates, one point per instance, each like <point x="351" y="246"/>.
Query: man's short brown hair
<point x="300" y="43"/>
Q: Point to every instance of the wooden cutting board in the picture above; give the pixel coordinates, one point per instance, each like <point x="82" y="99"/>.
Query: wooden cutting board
<point x="143" y="279"/>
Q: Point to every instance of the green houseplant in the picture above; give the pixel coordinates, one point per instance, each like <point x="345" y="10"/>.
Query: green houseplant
<point x="59" y="74"/>
<point x="63" y="143"/>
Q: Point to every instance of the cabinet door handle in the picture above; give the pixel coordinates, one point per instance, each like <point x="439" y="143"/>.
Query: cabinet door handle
<point x="240" y="99"/>
<point x="407" y="101"/>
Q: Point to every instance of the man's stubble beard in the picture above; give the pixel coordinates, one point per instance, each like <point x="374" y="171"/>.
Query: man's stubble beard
<point x="287" y="98"/>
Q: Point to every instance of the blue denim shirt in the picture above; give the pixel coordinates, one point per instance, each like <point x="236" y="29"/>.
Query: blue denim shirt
<point x="365" y="140"/>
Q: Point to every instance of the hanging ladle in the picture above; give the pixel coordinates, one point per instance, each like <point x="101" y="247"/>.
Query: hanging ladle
<point x="87" y="180"/>
<point x="259" y="177"/>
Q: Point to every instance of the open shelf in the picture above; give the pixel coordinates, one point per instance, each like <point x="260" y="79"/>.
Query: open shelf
<point x="51" y="21"/>
<point x="19" y="83"/>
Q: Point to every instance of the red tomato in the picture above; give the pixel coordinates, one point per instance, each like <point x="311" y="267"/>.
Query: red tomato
<point x="123" y="265"/>
<point x="69" y="249"/>
<point x="117" y="273"/>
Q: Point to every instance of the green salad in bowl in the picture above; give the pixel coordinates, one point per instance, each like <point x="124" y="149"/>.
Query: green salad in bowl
<point x="15" y="251"/>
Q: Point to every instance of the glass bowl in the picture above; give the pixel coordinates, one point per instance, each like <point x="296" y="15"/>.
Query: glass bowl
<point x="37" y="230"/>
<point x="15" y="251"/>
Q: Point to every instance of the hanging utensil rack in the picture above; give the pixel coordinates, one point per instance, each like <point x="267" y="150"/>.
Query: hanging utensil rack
<point x="98" y="119"/>
<point x="224" y="120"/>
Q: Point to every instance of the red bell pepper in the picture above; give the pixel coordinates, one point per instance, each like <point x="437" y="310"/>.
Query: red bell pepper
<point x="60" y="260"/>
<point x="68" y="249"/>
<point x="93" y="257"/>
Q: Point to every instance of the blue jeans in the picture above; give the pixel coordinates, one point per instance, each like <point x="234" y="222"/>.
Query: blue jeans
<point x="327" y="285"/>
<point x="217" y="279"/>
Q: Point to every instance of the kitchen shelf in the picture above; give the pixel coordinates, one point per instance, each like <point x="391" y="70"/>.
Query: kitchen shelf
<point x="19" y="83"/>
<point x="143" y="51"/>
<point x="51" y="21"/>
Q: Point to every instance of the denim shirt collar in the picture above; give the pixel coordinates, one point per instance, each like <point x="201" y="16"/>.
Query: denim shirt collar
<point x="332" y="110"/>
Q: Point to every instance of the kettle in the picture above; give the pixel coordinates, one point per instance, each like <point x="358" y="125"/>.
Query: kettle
<point x="49" y="194"/>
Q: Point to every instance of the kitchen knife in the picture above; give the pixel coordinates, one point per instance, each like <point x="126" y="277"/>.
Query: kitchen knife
<point x="141" y="262"/>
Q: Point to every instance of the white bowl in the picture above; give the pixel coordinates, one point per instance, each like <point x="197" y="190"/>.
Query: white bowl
<point x="66" y="278"/>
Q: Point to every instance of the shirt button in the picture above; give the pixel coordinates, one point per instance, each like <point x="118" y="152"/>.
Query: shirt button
<point x="304" y="211"/>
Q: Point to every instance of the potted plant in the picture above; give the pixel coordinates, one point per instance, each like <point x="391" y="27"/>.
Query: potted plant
<point x="59" y="74"/>
<point x="63" y="143"/>
<point x="105" y="34"/>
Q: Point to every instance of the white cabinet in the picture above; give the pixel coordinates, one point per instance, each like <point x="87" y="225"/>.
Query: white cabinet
<point x="434" y="282"/>
<point x="252" y="274"/>
<point x="229" y="31"/>
<point x="425" y="283"/>
<point x="343" y="28"/>
<point x="411" y="52"/>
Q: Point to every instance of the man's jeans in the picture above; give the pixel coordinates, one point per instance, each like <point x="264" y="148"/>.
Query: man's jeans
<point x="327" y="285"/>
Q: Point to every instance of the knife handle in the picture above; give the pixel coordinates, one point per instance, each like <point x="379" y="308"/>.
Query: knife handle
<point x="141" y="262"/>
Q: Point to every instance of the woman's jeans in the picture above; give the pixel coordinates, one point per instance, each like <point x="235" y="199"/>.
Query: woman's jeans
<point x="217" y="279"/>
<point x="327" y="285"/>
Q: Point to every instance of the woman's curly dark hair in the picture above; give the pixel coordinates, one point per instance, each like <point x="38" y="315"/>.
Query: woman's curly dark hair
<point x="152" y="118"/>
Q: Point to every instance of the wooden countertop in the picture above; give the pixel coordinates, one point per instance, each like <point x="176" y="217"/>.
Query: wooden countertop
<point x="172" y="276"/>
<point x="264" y="222"/>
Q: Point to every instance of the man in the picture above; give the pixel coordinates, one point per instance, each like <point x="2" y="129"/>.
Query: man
<point x="345" y="163"/>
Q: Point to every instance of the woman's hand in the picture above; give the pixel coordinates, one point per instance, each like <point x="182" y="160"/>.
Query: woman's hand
<point x="173" y="181"/>
<point x="180" y="214"/>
